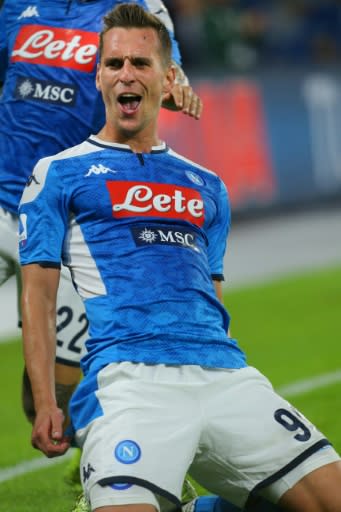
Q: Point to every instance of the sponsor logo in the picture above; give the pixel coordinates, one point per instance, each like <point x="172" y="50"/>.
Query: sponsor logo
<point x="22" y="228"/>
<point x="43" y="90"/>
<point x="87" y="470"/>
<point x="127" y="452"/>
<point x="165" y="236"/>
<point x="29" y="12"/>
<point x="99" y="169"/>
<point x="133" y="199"/>
<point x="54" y="46"/>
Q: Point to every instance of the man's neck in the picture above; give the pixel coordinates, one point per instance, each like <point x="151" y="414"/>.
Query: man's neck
<point x="137" y="143"/>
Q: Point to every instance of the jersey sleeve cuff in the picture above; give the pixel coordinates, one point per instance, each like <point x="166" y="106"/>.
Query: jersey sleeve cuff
<point x="218" y="277"/>
<point x="44" y="264"/>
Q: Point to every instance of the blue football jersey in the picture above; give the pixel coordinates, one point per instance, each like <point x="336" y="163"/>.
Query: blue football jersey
<point x="48" y="56"/>
<point x="143" y="235"/>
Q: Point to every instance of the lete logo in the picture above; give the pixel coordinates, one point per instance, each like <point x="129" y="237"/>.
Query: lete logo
<point x="131" y="199"/>
<point x="59" y="47"/>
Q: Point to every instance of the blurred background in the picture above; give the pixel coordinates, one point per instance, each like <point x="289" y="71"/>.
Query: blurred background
<point x="269" y="74"/>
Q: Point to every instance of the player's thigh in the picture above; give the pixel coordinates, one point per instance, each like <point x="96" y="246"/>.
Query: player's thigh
<point x="254" y="437"/>
<point x="72" y="324"/>
<point x="138" y="507"/>
<point x="319" y="490"/>
<point x="9" y="264"/>
<point x="145" y="434"/>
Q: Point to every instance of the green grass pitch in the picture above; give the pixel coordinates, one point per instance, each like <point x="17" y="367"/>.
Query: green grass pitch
<point x="290" y="330"/>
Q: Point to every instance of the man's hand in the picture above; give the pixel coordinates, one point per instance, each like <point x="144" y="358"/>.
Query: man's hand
<point x="47" y="433"/>
<point x="182" y="97"/>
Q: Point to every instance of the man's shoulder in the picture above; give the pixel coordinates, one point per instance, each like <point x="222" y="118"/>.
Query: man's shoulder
<point x="190" y="164"/>
<point x="77" y="151"/>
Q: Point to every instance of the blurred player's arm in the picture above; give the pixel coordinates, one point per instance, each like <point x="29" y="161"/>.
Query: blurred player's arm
<point x="182" y="97"/>
<point x="39" y="294"/>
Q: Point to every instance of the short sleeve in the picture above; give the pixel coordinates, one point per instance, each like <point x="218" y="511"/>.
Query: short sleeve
<point x="43" y="217"/>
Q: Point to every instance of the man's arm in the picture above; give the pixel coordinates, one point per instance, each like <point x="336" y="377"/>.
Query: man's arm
<point x="219" y="293"/>
<point x="218" y="290"/>
<point x="39" y="335"/>
<point x="182" y="97"/>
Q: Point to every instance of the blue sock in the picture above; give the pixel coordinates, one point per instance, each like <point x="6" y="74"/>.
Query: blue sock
<point x="216" y="504"/>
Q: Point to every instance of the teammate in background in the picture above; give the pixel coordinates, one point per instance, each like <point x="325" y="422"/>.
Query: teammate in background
<point x="50" y="102"/>
<point x="165" y="390"/>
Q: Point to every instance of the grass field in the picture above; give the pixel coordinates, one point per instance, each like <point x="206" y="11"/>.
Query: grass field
<point x="290" y="330"/>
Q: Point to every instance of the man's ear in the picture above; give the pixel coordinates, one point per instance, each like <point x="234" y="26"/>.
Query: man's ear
<point x="169" y="80"/>
<point x="98" y="83"/>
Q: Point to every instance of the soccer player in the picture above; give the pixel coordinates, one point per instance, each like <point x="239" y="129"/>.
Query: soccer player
<point x="165" y="389"/>
<point x="48" y="52"/>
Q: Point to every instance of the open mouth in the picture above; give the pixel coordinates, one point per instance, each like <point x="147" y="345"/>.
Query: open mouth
<point x="129" y="102"/>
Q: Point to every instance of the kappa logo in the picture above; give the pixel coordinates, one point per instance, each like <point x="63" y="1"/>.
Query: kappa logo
<point x="32" y="179"/>
<point x="29" y="12"/>
<point x="133" y="199"/>
<point x="99" y="169"/>
<point x="56" y="46"/>
<point x="87" y="470"/>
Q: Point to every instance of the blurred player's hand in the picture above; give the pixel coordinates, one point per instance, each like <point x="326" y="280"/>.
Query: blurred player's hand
<point x="183" y="98"/>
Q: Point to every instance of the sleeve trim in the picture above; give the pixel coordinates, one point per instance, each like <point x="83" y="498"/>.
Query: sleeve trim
<point x="218" y="277"/>
<point x="44" y="264"/>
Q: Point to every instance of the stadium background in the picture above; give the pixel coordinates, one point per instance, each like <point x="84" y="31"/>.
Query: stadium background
<point x="269" y="75"/>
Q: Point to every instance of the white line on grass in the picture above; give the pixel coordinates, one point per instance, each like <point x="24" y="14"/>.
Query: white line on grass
<point x="28" y="466"/>
<point x="290" y="390"/>
<point x="305" y="385"/>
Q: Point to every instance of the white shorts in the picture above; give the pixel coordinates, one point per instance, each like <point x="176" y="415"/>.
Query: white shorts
<point x="228" y="428"/>
<point x="72" y="323"/>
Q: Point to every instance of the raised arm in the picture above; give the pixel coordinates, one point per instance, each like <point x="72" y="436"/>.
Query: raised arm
<point x="39" y="335"/>
<point x="182" y="96"/>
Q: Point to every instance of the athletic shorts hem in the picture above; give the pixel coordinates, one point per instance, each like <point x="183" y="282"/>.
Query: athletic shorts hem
<point x="317" y="456"/>
<point x="142" y="483"/>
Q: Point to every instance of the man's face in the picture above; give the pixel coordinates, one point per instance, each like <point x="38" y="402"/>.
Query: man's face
<point x="133" y="80"/>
